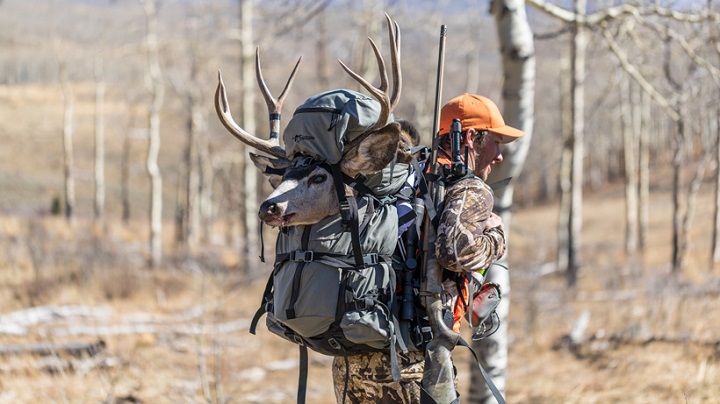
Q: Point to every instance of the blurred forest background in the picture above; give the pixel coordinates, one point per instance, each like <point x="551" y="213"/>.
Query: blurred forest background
<point x="128" y="232"/>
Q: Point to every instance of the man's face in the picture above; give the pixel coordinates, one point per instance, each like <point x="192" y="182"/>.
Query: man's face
<point x="487" y="153"/>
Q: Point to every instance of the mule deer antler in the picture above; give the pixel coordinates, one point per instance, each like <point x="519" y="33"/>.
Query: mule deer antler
<point x="387" y="102"/>
<point x="273" y="106"/>
<point x="272" y="145"/>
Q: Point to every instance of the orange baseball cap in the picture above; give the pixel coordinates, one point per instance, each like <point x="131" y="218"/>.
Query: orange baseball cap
<point x="478" y="112"/>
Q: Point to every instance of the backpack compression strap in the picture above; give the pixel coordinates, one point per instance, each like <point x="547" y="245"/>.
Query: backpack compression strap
<point x="349" y="213"/>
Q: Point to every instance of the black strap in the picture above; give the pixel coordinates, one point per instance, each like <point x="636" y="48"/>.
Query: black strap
<point x="297" y="277"/>
<point x="424" y="190"/>
<point x="303" y="375"/>
<point x="267" y="295"/>
<point x="262" y="243"/>
<point x="369" y="259"/>
<point x="358" y="184"/>
<point x="496" y="393"/>
<point x="349" y="213"/>
<point x="426" y="398"/>
<point x="274" y="171"/>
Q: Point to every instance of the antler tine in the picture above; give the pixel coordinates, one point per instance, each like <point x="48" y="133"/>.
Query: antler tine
<point x="274" y="106"/>
<point x="380" y="93"/>
<point x="387" y="102"/>
<point x="223" y="110"/>
<point x="394" y="34"/>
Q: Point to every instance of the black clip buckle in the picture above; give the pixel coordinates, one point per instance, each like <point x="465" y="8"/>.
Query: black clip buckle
<point x="302" y="256"/>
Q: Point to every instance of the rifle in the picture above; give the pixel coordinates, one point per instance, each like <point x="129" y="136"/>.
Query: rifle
<point x="438" y="380"/>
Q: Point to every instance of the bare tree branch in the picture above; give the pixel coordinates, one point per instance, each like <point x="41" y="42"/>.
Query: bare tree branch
<point x="625" y="9"/>
<point x="635" y="74"/>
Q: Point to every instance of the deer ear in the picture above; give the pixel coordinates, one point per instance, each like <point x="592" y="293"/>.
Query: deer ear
<point x="267" y="165"/>
<point x="373" y="152"/>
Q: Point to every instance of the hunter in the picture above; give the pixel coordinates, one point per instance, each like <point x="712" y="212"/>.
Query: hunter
<point x="470" y="238"/>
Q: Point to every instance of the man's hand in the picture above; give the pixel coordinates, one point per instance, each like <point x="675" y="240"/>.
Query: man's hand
<point x="494" y="221"/>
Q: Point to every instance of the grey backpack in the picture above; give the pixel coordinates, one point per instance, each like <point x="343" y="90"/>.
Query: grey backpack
<point x="333" y="285"/>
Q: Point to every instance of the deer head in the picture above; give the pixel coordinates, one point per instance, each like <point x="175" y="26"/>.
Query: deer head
<point x="304" y="191"/>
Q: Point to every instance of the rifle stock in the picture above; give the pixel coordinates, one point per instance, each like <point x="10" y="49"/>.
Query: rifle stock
<point x="438" y="375"/>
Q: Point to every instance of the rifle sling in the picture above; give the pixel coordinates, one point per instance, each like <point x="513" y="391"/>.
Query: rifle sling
<point x="496" y="393"/>
<point x="303" y="375"/>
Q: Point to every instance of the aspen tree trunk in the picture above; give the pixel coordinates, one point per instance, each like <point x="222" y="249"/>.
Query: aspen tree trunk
<point x="371" y="9"/>
<point x="678" y="239"/>
<point x="68" y="155"/>
<point x="125" y="176"/>
<point x="716" y="213"/>
<point x="205" y="197"/>
<point x="247" y="75"/>
<point x="563" y="247"/>
<point x="157" y="91"/>
<point x="644" y="169"/>
<point x="578" y="143"/>
<point x="192" y="203"/>
<point x="99" y="143"/>
<point x="628" y="134"/>
<point x="518" y="57"/>
<point x="321" y="49"/>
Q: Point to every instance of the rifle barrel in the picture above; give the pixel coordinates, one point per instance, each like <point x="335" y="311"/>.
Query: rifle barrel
<point x="438" y="94"/>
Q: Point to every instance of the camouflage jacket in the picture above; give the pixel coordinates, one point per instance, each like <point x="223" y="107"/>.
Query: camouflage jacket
<point x="463" y="242"/>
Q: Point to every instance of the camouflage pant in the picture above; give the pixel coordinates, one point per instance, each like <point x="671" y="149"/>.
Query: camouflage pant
<point x="370" y="381"/>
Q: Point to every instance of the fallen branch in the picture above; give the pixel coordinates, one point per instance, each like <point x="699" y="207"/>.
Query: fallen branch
<point x="75" y="349"/>
<point x="127" y="329"/>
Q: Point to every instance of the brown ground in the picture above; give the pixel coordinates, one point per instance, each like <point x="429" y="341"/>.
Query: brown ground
<point x="651" y="338"/>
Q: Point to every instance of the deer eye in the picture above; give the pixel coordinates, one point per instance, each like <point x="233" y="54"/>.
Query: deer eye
<point x="317" y="179"/>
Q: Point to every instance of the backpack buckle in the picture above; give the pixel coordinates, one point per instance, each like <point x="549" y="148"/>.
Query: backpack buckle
<point x="298" y="340"/>
<point x="333" y="343"/>
<point x="371" y="259"/>
<point x="302" y="256"/>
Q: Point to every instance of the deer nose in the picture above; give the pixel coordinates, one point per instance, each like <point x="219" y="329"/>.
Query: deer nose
<point x="268" y="210"/>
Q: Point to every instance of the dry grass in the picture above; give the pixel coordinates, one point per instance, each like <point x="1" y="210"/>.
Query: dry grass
<point x="666" y="348"/>
<point x="659" y="344"/>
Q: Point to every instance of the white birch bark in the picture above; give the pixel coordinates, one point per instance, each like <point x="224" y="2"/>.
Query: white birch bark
<point x="644" y="169"/>
<point x="157" y="91"/>
<point x="628" y="134"/>
<point x="579" y="44"/>
<point x="518" y="58"/>
<point x="563" y="245"/>
<point x="247" y="74"/>
<point x="716" y="213"/>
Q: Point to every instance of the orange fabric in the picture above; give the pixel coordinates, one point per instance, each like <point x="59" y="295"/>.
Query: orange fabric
<point x="460" y="305"/>
<point x="478" y="112"/>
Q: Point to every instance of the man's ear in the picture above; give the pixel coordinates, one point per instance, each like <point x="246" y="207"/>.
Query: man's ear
<point x="269" y="166"/>
<point x="469" y="136"/>
<point x="373" y="152"/>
